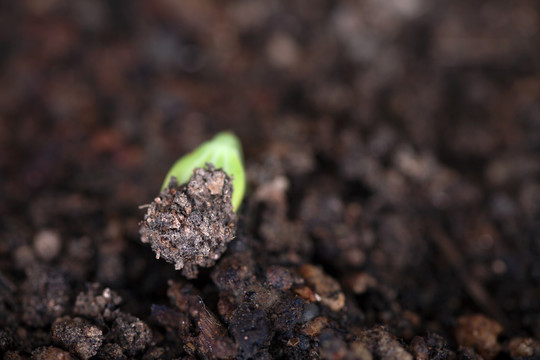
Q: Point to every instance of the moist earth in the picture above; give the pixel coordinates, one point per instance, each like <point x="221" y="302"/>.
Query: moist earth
<point x="392" y="152"/>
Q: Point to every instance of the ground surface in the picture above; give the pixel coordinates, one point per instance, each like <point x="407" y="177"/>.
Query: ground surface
<point x="393" y="154"/>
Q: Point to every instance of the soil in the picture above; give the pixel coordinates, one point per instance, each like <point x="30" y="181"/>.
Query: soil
<point x="393" y="158"/>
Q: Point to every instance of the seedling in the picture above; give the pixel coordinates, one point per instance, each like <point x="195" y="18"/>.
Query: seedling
<point x="224" y="151"/>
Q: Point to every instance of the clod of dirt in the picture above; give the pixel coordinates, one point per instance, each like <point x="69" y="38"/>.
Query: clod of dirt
<point x="327" y="289"/>
<point x="97" y="304"/>
<point x="251" y="330"/>
<point x="419" y="348"/>
<point x="479" y="332"/>
<point x="77" y="336"/>
<point x="51" y="352"/>
<point x="523" y="347"/>
<point x="132" y="334"/>
<point x="111" y="352"/>
<point x="314" y="327"/>
<point x="279" y="277"/>
<point x="47" y="244"/>
<point x="190" y="225"/>
<point x="383" y="345"/>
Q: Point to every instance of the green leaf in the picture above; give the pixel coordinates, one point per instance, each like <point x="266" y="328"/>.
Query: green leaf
<point x="224" y="151"/>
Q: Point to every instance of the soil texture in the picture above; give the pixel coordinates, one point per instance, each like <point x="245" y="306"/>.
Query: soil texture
<point x="392" y="150"/>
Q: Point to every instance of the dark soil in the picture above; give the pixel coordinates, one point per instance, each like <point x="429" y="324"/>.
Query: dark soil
<point x="393" y="158"/>
<point x="190" y="225"/>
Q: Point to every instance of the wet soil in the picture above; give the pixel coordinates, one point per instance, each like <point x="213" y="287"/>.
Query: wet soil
<point x="393" y="158"/>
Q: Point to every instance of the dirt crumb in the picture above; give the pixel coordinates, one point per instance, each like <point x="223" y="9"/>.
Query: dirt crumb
<point x="47" y="244"/>
<point x="523" y="347"/>
<point x="279" y="277"/>
<point x="480" y="333"/>
<point x="468" y="353"/>
<point x="438" y="348"/>
<point x="419" y="349"/>
<point x="154" y="354"/>
<point x="132" y="334"/>
<point x="383" y="344"/>
<point x="51" y="353"/>
<point x="326" y="288"/>
<point x="190" y="225"/>
<point x="251" y="330"/>
<point x="77" y="336"/>
<point x="313" y="328"/>
<point x="95" y="303"/>
<point x="111" y="352"/>
<point x="359" y="351"/>
<point x="13" y="355"/>
<point x="332" y="345"/>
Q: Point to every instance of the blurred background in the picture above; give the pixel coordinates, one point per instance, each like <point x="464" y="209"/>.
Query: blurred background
<point x="400" y="126"/>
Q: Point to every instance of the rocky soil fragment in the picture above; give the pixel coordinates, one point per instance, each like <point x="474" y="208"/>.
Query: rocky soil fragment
<point x="77" y="336"/>
<point x="327" y="289"/>
<point x="523" y="347"/>
<point x="51" y="352"/>
<point x="480" y="333"/>
<point x="190" y="225"/>
<point x="132" y="334"/>
<point x="96" y="304"/>
<point x="383" y="345"/>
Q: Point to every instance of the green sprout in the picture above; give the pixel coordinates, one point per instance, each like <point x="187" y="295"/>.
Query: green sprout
<point x="224" y="151"/>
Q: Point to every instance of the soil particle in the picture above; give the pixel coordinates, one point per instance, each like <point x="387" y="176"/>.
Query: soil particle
<point x="96" y="304"/>
<point x="468" y="353"/>
<point x="419" y="348"/>
<point x="279" y="277"/>
<point x="359" y="352"/>
<point x="311" y="311"/>
<point x="45" y="295"/>
<point x="326" y="288"/>
<point x="438" y="348"/>
<point x="251" y="330"/>
<point x="395" y="148"/>
<point x="170" y="319"/>
<point x="111" y="351"/>
<point x="480" y="333"/>
<point x="360" y="282"/>
<point x="383" y="344"/>
<point x="154" y="354"/>
<point x="13" y="355"/>
<point x="287" y="313"/>
<point x="47" y="244"/>
<point x="51" y="353"/>
<point x="77" y="336"/>
<point x="235" y="273"/>
<point x="132" y="334"/>
<point x="314" y="327"/>
<point x="523" y="347"/>
<point x="190" y="225"/>
<point x="332" y="346"/>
